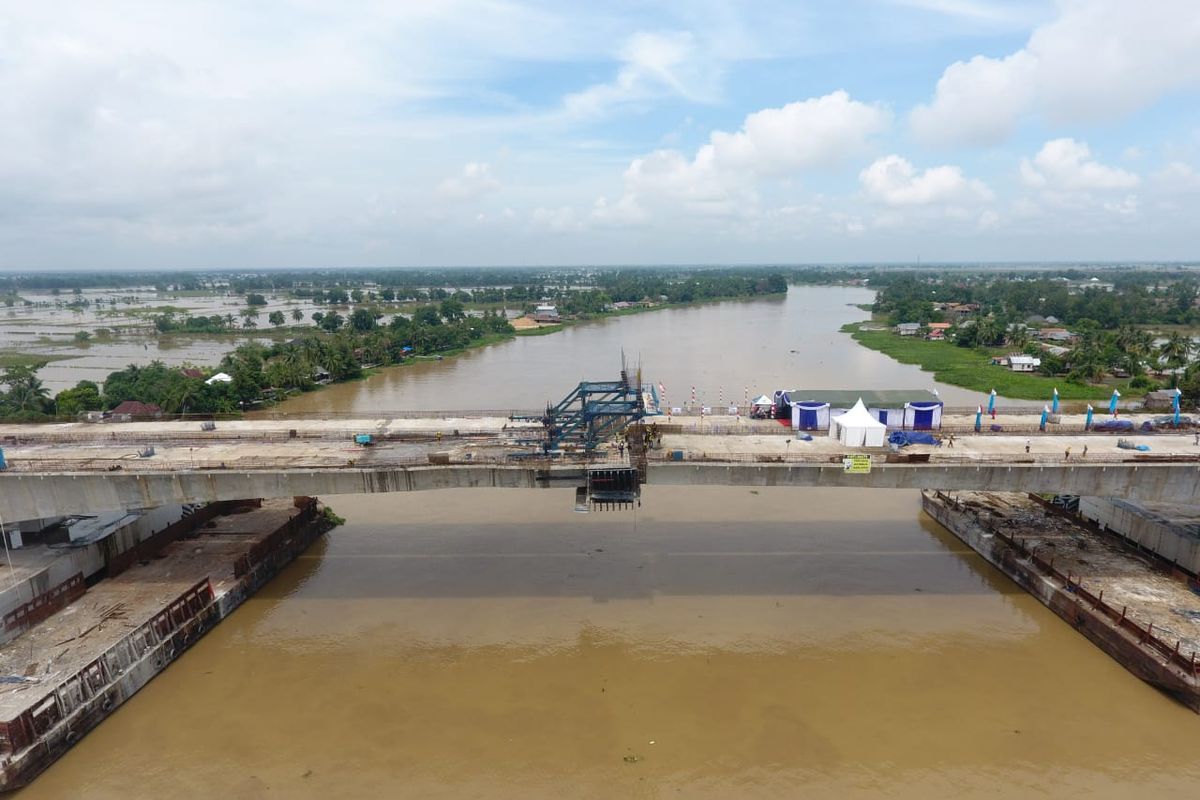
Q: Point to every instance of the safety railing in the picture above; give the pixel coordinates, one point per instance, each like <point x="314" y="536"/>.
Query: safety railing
<point x="367" y="458"/>
<point x="1073" y="584"/>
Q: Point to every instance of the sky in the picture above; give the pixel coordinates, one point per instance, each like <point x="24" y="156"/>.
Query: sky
<point x="301" y="133"/>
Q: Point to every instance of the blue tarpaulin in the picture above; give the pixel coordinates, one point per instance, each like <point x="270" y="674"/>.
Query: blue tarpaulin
<point x="1113" y="425"/>
<point x="905" y="438"/>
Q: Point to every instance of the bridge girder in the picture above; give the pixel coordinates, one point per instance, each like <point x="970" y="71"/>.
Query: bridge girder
<point x="27" y="495"/>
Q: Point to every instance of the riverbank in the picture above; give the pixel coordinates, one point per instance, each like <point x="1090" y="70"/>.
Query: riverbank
<point x="75" y="667"/>
<point x="971" y="368"/>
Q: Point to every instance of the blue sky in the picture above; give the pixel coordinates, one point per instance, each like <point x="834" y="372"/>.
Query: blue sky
<point x="300" y="133"/>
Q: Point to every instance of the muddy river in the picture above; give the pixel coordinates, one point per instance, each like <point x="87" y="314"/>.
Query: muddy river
<point x="716" y="643"/>
<point x="724" y="350"/>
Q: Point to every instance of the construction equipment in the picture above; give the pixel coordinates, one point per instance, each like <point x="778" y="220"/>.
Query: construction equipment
<point x="592" y="413"/>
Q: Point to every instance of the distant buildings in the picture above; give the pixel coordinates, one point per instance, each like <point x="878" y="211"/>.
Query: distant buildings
<point x="957" y="309"/>
<point x="1060" y="335"/>
<point x="546" y="314"/>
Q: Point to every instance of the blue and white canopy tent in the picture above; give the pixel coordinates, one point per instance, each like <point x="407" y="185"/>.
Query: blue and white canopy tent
<point x="923" y="415"/>
<point x="810" y="415"/>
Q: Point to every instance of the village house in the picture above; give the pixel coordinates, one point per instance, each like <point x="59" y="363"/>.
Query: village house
<point x="1024" y="363"/>
<point x="135" y="409"/>
<point x="958" y="309"/>
<point x="908" y="328"/>
<point x="1056" y="335"/>
<point x="937" y="331"/>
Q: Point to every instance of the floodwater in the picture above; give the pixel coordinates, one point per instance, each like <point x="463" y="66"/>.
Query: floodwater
<point x="719" y="643"/>
<point x="725" y="350"/>
<point x="715" y="643"/>
<point x="47" y="330"/>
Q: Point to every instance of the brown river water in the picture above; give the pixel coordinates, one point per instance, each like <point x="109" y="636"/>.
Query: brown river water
<point x="716" y="643"/>
<point x="723" y="349"/>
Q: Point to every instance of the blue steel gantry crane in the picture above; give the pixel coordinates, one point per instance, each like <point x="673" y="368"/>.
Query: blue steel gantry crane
<point x="592" y="413"/>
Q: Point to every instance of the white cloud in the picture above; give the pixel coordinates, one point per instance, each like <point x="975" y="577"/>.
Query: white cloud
<point x="652" y="65"/>
<point x="1100" y="59"/>
<point x="1177" y="178"/>
<point x="1067" y="165"/>
<point x="978" y="101"/>
<point x="625" y="211"/>
<point x="810" y="133"/>
<point x="896" y="182"/>
<point x="1126" y="207"/>
<point x="474" y="181"/>
<point x="721" y="179"/>
<point x="556" y="220"/>
<point x="1005" y="12"/>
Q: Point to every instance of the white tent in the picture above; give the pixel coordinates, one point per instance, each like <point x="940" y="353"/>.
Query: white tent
<point x="763" y="402"/>
<point x="857" y="428"/>
<point x="220" y="377"/>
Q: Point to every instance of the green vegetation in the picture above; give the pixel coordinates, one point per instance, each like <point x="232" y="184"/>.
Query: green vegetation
<point x="24" y="396"/>
<point x="1109" y="334"/>
<point x="172" y="322"/>
<point x="541" y="330"/>
<point x="971" y="368"/>
<point x="1125" y="298"/>
<point x="12" y="358"/>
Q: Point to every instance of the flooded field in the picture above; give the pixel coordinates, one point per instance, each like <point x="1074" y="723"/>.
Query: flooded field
<point x="122" y="331"/>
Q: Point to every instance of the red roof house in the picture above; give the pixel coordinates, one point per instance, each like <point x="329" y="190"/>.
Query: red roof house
<point x="136" y="408"/>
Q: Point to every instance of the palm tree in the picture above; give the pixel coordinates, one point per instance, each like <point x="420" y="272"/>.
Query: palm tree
<point x="1018" y="336"/>
<point x="1140" y="348"/>
<point x="25" y="390"/>
<point x="986" y="332"/>
<point x="181" y="393"/>
<point x="1176" y="351"/>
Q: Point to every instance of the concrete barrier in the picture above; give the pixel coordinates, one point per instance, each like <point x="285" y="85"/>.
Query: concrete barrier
<point x="26" y="495"/>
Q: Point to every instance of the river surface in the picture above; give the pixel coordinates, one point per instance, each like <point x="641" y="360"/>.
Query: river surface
<point x="716" y="643"/>
<point x="724" y="350"/>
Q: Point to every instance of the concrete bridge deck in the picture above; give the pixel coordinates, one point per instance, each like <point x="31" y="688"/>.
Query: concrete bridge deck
<point x="81" y="468"/>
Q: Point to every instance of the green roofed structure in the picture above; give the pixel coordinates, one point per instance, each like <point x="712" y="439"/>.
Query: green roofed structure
<point x="872" y="398"/>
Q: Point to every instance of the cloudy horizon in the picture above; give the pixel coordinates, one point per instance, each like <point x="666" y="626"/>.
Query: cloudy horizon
<point x="196" y="135"/>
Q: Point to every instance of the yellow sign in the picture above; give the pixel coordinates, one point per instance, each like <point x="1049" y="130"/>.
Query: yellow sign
<point x="856" y="465"/>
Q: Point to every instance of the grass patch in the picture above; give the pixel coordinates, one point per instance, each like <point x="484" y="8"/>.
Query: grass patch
<point x="972" y="369"/>
<point x="544" y="330"/>
<point x="12" y="358"/>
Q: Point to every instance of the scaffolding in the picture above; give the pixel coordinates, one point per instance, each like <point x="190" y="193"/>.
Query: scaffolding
<point x="594" y="412"/>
